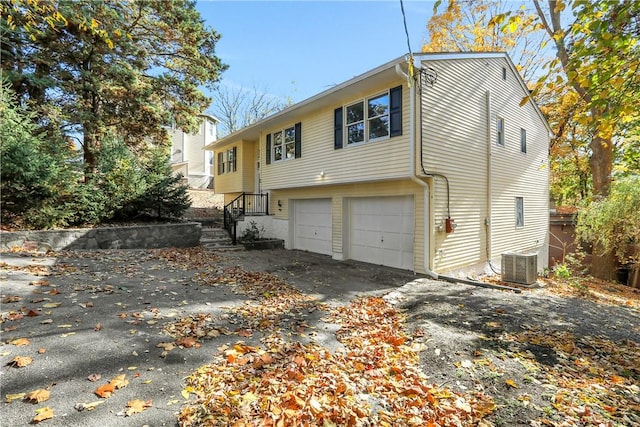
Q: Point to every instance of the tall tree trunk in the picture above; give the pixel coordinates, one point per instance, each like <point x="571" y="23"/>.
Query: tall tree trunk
<point x="603" y="264"/>
<point x="90" y="151"/>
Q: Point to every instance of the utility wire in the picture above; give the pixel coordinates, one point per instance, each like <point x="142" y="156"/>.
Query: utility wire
<point x="406" y="31"/>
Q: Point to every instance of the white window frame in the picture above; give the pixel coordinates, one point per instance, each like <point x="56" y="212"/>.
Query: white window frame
<point x="362" y="122"/>
<point x="227" y="161"/>
<point x="519" y="211"/>
<point x="287" y="144"/>
<point x="231" y="160"/>
<point x="500" y="131"/>
<point x="367" y="119"/>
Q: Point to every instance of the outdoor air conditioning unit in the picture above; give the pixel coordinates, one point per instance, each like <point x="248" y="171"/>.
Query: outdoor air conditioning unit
<point x="520" y="268"/>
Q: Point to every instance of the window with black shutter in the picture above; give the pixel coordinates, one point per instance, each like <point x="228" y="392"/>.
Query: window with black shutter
<point x="376" y="118"/>
<point x="284" y="144"/>
<point x="268" y="149"/>
<point x="395" y="111"/>
<point x="220" y="163"/>
<point x="337" y="128"/>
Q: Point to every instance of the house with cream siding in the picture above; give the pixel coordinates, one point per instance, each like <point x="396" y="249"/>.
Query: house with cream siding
<point x="188" y="156"/>
<point x="435" y="167"/>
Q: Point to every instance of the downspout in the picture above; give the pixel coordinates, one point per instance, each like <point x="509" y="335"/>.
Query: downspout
<point x="414" y="177"/>
<point x="417" y="180"/>
<point x="487" y="222"/>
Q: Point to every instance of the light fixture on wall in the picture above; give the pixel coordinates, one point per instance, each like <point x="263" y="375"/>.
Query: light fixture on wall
<point x="279" y="205"/>
<point x="321" y="174"/>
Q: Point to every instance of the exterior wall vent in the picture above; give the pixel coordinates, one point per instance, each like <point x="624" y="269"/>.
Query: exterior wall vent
<point x="520" y="268"/>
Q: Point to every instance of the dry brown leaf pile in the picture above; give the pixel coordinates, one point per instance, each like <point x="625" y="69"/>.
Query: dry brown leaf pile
<point x="376" y="381"/>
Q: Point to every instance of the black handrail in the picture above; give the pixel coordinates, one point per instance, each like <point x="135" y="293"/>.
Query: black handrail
<point x="244" y="204"/>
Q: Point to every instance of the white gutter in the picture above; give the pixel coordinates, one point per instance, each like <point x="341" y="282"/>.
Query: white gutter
<point x="414" y="177"/>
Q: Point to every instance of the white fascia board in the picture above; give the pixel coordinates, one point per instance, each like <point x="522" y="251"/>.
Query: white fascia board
<point x="253" y="130"/>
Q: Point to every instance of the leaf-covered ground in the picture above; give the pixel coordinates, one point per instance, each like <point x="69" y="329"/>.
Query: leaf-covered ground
<point x="284" y="338"/>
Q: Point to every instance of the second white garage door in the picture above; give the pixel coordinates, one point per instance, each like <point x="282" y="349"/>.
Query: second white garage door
<point x="382" y="230"/>
<point x="312" y="225"/>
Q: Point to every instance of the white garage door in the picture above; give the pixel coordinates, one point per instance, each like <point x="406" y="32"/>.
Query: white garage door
<point x="382" y="230"/>
<point x="312" y="225"/>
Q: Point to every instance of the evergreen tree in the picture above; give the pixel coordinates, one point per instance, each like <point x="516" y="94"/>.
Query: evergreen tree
<point x="95" y="68"/>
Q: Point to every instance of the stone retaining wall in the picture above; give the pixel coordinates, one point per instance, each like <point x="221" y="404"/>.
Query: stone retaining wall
<point x="182" y="235"/>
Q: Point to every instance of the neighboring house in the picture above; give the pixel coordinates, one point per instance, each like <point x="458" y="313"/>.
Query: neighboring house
<point x="443" y="175"/>
<point x="188" y="156"/>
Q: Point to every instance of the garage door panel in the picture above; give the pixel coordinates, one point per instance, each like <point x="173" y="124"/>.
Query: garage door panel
<point x="314" y="232"/>
<point x="407" y="224"/>
<point x="394" y="223"/>
<point x="382" y="231"/>
<point x="394" y="241"/>
<point x="364" y="238"/>
<point x="319" y="219"/>
<point x="394" y="257"/>
<point x="312" y="225"/>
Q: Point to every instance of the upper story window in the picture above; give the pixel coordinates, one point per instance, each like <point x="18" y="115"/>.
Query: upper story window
<point x="227" y="161"/>
<point x="372" y="119"/>
<point x="370" y="123"/>
<point x="523" y="140"/>
<point x="284" y="144"/>
<point x="500" y="131"/>
<point x="355" y="123"/>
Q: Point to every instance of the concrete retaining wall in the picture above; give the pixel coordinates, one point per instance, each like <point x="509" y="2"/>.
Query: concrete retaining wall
<point x="182" y="235"/>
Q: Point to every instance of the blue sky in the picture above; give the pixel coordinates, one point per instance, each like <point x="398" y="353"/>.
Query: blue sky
<point x="296" y="49"/>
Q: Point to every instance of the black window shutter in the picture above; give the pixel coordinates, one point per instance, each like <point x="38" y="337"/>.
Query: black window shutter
<point x="269" y="149"/>
<point x="235" y="159"/>
<point x="337" y="128"/>
<point x="395" y="111"/>
<point x="298" y="143"/>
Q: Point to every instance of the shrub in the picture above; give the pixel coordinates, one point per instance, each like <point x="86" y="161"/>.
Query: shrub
<point x="162" y="195"/>
<point x="252" y="233"/>
<point x="613" y="223"/>
<point x="36" y="176"/>
<point x="42" y="184"/>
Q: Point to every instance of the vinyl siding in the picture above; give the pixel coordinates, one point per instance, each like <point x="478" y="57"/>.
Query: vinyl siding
<point x="191" y="147"/>
<point x="228" y="197"/>
<point x="246" y="166"/>
<point x="455" y="144"/>
<point x="340" y="194"/>
<point x="243" y="179"/>
<point x="383" y="159"/>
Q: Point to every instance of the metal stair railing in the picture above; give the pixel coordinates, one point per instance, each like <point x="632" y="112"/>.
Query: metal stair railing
<point x="244" y="204"/>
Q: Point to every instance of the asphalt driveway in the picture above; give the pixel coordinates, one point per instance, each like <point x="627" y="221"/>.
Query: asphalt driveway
<point x="75" y="321"/>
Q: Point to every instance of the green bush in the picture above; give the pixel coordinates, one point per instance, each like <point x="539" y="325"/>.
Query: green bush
<point x="35" y="175"/>
<point x="613" y="223"/>
<point x="42" y="184"/>
<point x="561" y="271"/>
<point x="162" y="194"/>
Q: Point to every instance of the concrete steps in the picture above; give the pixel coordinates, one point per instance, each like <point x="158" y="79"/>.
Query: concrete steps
<point x="217" y="238"/>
